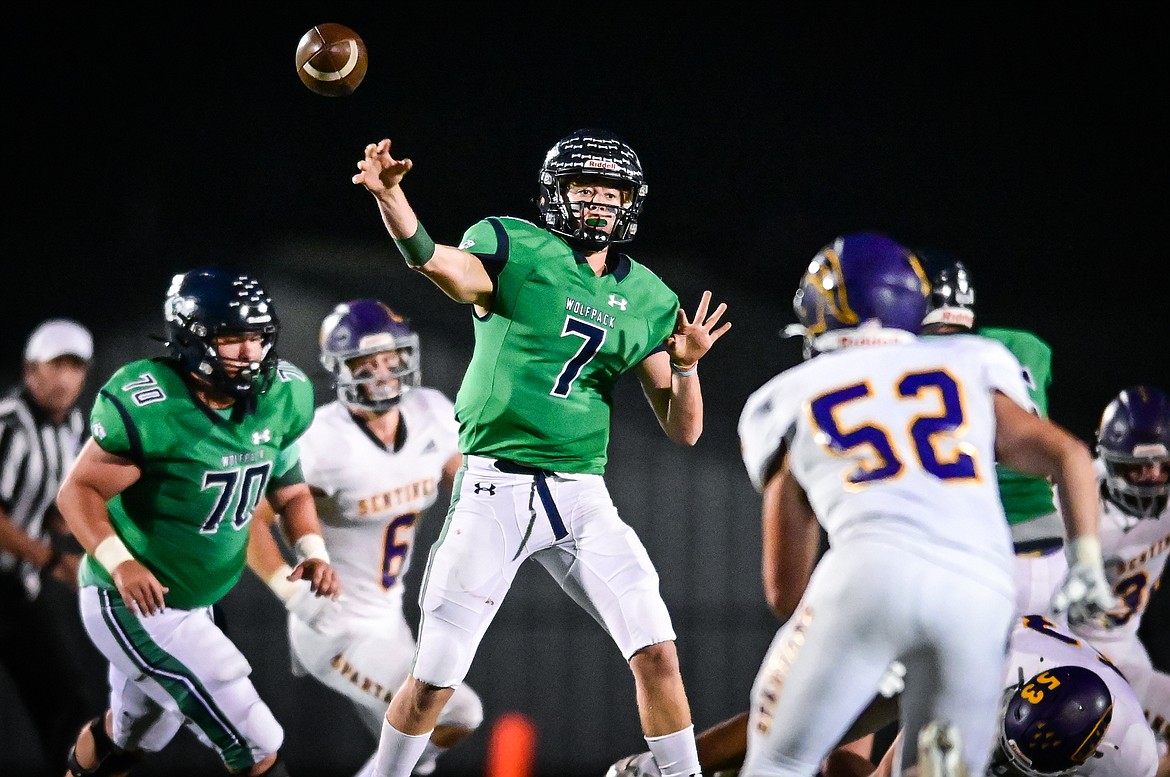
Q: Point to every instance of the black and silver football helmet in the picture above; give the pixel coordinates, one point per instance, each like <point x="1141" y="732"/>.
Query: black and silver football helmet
<point x="209" y="302"/>
<point x="1052" y="724"/>
<point x="362" y="327"/>
<point x="585" y="155"/>
<point x="952" y="297"/>
<point x="1135" y="431"/>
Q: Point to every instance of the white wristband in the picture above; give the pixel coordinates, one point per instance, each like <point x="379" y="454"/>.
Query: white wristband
<point x="312" y="546"/>
<point x="111" y="552"/>
<point x="281" y="585"/>
<point x="694" y="368"/>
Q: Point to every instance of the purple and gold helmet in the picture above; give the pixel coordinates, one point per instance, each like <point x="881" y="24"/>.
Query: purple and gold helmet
<point x="1053" y="723"/>
<point x="1135" y="431"/>
<point x="859" y="280"/>
<point x="362" y="327"/>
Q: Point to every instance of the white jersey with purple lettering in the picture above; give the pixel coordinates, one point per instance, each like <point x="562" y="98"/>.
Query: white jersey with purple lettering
<point x="370" y="495"/>
<point x="904" y="430"/>
<point x="1129" y="748"/>
<point x="894" y="445"/>
<point x="1135" y="552"/>
<point x="369" y="498"/>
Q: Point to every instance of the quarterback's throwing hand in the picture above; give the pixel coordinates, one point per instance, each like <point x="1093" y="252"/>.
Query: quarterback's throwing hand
<point x="378" y="171"/>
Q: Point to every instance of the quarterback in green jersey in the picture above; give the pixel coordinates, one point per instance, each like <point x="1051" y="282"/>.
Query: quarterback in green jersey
<point x="1028" y="501"/>
<point x="559" y="316"/>
<point x="182" y="449"/>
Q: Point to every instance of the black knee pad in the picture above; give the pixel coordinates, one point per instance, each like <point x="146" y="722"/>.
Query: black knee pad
<point x="111" y="760"/>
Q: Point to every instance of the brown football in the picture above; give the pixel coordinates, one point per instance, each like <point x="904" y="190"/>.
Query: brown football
<point x="331" y="59"/>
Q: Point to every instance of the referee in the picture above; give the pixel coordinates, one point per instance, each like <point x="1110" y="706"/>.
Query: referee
<point x="43" y="647"/>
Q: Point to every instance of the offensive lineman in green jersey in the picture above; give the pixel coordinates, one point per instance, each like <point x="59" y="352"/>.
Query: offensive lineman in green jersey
<point x="160" y="497"/>
<point x="1028" y="502"/>
<point x="558" y="318"/>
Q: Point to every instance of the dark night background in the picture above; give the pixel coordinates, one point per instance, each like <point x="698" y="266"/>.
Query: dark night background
<point x="1028" y="141"/>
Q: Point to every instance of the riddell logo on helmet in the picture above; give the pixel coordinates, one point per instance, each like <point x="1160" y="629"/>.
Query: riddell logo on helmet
<point x="959" y="317"/>
<point x="605" y="164"/>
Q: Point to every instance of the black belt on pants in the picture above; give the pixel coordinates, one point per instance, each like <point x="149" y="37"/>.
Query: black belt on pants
<point x="1041" y="547"/>
<point x="538" y="475"/>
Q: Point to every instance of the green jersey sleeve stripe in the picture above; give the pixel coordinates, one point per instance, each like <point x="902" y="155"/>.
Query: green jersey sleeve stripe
<point x="499" y="257"/>
<point x="132" y="437"/>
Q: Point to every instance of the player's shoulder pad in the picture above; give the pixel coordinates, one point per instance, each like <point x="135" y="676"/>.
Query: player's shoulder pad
<point x="764" y="424"/>
<point x="291" y="385"/>
<point x="483" y="237"/>
<point x="292" y="376"/>
<point x="1015" y="337"/>
<point x="145" y="383"/>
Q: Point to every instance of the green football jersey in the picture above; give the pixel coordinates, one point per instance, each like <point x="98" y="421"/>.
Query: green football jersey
<point x="1026" y="497"/>
<point x="539" y="386"/>
<point x="203" y="472"/>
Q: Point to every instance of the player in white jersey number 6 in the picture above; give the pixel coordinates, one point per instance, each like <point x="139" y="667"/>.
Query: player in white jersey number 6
<point x="375" y="459"/>
<point x="892" y="441"/>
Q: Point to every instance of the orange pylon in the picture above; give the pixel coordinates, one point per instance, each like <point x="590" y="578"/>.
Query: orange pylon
<point x="511" y="750"/>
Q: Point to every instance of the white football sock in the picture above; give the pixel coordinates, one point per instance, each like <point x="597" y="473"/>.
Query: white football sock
<point x="676" y="754"/>
<point x="397" y="752"/>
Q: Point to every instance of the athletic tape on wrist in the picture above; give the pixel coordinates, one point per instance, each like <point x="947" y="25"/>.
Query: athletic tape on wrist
<point x="111" y="552"/>
<point x="312" y="546"/>
<point x="418" y="248"/>
<point x="281" y="585"/>
<point x="684" y="373"/>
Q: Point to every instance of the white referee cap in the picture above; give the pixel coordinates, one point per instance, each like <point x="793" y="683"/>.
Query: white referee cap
<point x="58" y="337"/>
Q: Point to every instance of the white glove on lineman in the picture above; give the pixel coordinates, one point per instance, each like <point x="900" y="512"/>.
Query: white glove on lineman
<point x="298" y="597"/>
<point x="893" y="681"/>
<point x="1085" y="593"/>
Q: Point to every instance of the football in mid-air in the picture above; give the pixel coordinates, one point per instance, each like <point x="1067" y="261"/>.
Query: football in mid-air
<point x="331" y="59"/>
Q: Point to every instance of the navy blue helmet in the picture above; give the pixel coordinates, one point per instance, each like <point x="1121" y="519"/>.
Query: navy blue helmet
<point x="861" y="279"/>
<point x="1052" y="723"/>
<point x="362" y="327"/>
<point x="952" y="297"/>
<point x="1135" y="431"/>
<point x="210" y="302"/>
<point x="590" y="154"/>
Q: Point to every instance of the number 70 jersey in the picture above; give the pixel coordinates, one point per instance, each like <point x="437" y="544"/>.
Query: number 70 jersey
<point x="203" y="472"/>
<point x="900" y="436"/>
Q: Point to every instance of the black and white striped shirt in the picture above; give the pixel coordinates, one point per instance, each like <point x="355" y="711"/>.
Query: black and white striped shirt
<point x="35" y="454"/>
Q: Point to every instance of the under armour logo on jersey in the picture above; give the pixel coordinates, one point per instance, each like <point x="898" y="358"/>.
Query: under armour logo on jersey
<point x="431" y="447"/>
<point x="264" y="436"/>
<point x="98" y="430"/>
<point x="490" y="488"/>
<point x="618" y="302"/>
<point x="466" y="244"/>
